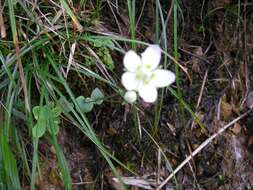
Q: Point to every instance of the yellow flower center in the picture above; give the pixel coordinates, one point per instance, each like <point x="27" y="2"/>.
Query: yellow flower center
<point x="144" y="77"/>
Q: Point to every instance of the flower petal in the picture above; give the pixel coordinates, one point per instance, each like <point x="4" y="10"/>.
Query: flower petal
<point x="151" y="57"/>
<point x="129" y="81"/>
<point x="131" y="61"/>
<point x="130" y="96"/>
<point x="162" y="78"/>
<point x="148" y="93"/>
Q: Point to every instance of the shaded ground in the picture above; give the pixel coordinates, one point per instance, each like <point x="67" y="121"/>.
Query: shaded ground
<point x="216" y="47"/>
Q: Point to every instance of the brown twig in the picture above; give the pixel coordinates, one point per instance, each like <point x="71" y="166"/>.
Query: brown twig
<point x="21" y="72"/>
<point x="205" y="143"/>
<point x="200" y="94"/>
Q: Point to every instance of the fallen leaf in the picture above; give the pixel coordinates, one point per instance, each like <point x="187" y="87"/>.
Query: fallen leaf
<point x="237" y="128"/>
<point x="226" y="110"/>
<point x="135" y="181"/>
<point x="111" y="131"/>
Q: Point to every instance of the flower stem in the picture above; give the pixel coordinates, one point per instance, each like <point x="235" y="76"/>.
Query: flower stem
<point x="175" y="45"/>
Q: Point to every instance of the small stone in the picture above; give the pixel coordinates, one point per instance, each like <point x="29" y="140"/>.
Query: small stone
<point x="237" y="128"/>
<point x="249" y="100"/>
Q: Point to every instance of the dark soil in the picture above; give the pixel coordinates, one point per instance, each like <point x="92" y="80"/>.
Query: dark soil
<point x="213" y="39"/>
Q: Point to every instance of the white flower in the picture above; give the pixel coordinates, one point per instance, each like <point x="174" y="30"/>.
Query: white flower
<point x="143" y="75"/>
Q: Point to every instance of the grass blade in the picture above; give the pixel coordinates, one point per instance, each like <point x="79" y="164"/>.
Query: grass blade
<point x="71" y="14"/>
<point x="9" y="164"/>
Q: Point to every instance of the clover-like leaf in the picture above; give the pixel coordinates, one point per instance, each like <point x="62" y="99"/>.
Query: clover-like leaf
<point x="97" y="96"/>
<point x="53" y="118"/>
<point x="47" y="119"/>
<point x="36" y="112"/>
<point x="38" y="130"/>
<point x="53" y="127"/>
<point x="86" y="104"/>
<point x="56" y="111"/>
<point x="67" y="106"/>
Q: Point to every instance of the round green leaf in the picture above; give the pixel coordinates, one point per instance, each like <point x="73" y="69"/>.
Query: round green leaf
<point x="38" y="130"/>
<point x="36" y="112"/>
<point x="56" y="112"/>
<point x="86" y="105"/>
<point x="53" y="127"/>
<point x="67" y="106"/>
<point x="97" y="96"/>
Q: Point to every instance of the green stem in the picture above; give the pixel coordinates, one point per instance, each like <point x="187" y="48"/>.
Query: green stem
<point x="175" y="45"/>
